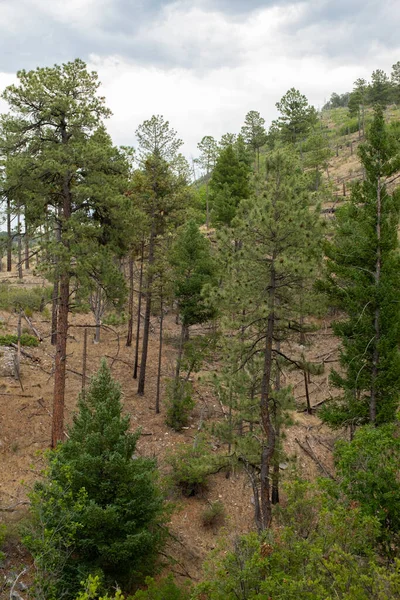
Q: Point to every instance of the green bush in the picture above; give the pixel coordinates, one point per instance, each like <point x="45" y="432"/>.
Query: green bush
<point x="368" y="474"/>
<point x="99" y="510"/>
<point x="351" y="126"/>
<point x="2" y="538"/>
<point x="179" y="403"/>
<point x="332" y="557"/>
<point x="115" y="319"/>
<point x="26" y="340"/>
<point x="28" y="299"/>
<point x="191" y="466"/>
<point x="213" y="515"/>
<point x="165" y="589"/>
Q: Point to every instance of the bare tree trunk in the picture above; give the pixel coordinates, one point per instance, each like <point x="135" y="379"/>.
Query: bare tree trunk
<point x="54" y="311"/>
<point x="26" y="240"/>
<point x="378" y="266"/>
<point x="146" y="326"/>
<point x="57" y="434"/>
<point x="135" y="370"/>
<point x="84" y="360"/>
<point x="309" y="411"/>
<point x="160" y="344"/>
<point x="268" y="448"/>
<point x="20" y="273"/>
<point x="130" y="303"/>
<point x="9" y="237"/>
<point x="276" y="472"/>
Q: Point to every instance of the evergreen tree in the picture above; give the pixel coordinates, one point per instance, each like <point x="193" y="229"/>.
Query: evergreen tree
<point x="229" y="185"/>
<point x="363" y="280"/>
<point x="254" y="133"/>
<point x="99" y="510"/>
<point x="395" y="81"/>
<point x="264" y="276"/>
<point x="297" y="116"/>
<point x="59" y="153"/>
<point x="379" y="90"/>
<point x="208" y="155"/>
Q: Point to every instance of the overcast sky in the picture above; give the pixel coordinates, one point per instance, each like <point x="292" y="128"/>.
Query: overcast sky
<point x="203" y="64"/>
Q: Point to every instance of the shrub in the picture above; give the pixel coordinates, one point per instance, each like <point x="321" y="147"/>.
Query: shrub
<point x="191" y="466"/>
<point x="115" y="319"/>
<point x="213" y="515"/>
<point x="165" y="589"/>
<point x="179" y="403"/>
<point x="26" y="340"/>
<point x="351" y="126"/>
<point x="99" y="510"/>
<point x="28" y="299"/>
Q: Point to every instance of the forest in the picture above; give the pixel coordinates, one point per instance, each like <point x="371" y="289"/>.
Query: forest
<point x="200" y="360"/>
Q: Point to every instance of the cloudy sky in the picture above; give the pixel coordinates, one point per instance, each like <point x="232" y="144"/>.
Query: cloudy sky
<point x="203" y="64"/>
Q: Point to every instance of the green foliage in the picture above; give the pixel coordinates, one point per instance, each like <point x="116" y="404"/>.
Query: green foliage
<point x="99" y="510"/>
<point x="297" y="117"/>
<point x="351" y="126"/>
<point x="179" y="403"/>
<point x="213" y="515"/>
<point x="191" y="466"/>
<point x="368" y="473"/>
<point x="319" y="551"/>
<point x="91" y="591"/>
<point x="363" y="280"/>
<point x="3" y="532"/>
<point x="229" y="185"/>
<point x="115" y="319"/>
<point x="194" y="268"/>
<point x="164" y="589"/>
<point x="31" y="299"/>
<point x="25" y="339"/>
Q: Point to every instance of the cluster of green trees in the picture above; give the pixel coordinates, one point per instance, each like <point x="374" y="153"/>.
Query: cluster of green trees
<point x="242" y="292"/>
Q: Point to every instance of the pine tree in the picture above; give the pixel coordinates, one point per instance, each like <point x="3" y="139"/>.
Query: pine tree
<point x="254" y="133"/>
<point x="208" y="155"/>
<point x="58" y="152"/>
<point x="297" y="116"/>
<point x="264" y="275"/>
<point x="99" y="509"/>
<point x="229" y="185"/>
<point x="363" y="281"/>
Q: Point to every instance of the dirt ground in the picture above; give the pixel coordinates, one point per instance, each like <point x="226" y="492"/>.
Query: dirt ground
<point x="25" y="427"/>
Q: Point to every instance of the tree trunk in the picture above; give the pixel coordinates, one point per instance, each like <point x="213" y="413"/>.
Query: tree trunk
<point x="54" y="311"/>
<point x="60" y="362"/>
<point x="160" y="343"/>
<point x="378" y="266"/>
<point x="309" y="411"/>
<point x="135" y="370"/>
<point x="84" y="360"/>
<point x="268" y="449"/>
<point x="146" y="326"/>
<point x="26" y="240"/>
<point x="130" y="303"/>
<point x="20" y="273"/>
<point x="276" y="472"/>
<point x="9" y="237"/>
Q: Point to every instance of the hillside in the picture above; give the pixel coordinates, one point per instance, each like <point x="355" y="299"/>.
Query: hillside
<point x="26" y="404"/>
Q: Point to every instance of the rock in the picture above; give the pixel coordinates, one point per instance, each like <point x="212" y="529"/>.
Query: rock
<point x="7" y="364"/>
<point x="16" y="596"/>
<point x="22" y="586"/>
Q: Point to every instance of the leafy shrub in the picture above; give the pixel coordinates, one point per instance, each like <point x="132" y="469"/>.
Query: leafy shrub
<point x="99" y="510"/>
<point x="213" y="515"/>
<point x="179" y="403"/>
<point x="368" y="474"/>
<point x="334" y="558"/>
<point x="191" y="466"/>
<point x="26" y="340"/>
<point x="351" y="126"/>
<point x="28" y="299"/>
<point x="115" y="319"/>
<point x="2" y="538"/>
<point x="165" y="589"/>
<point x="91" y="590"/>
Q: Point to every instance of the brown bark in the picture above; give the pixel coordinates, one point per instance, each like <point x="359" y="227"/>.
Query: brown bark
<point x="378" y="266"/>
<point x="146" y="325"/>
<point x="130" y="303"/>
<point x="268" y="448"/>
<point x="20" y="273"/>
<point x="135" y="369"/>
<point x="84" y="360"/>
<point x="276" y="472"/>
<point x="9" y="237"/>
<point x="309" y="411"/>
<point x="54" y="312"/>
<point x="57" y="434"/>
<point x="160" y="344"/>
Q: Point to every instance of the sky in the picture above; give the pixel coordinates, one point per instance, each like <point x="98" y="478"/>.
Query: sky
<point x="202" y="64"/>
